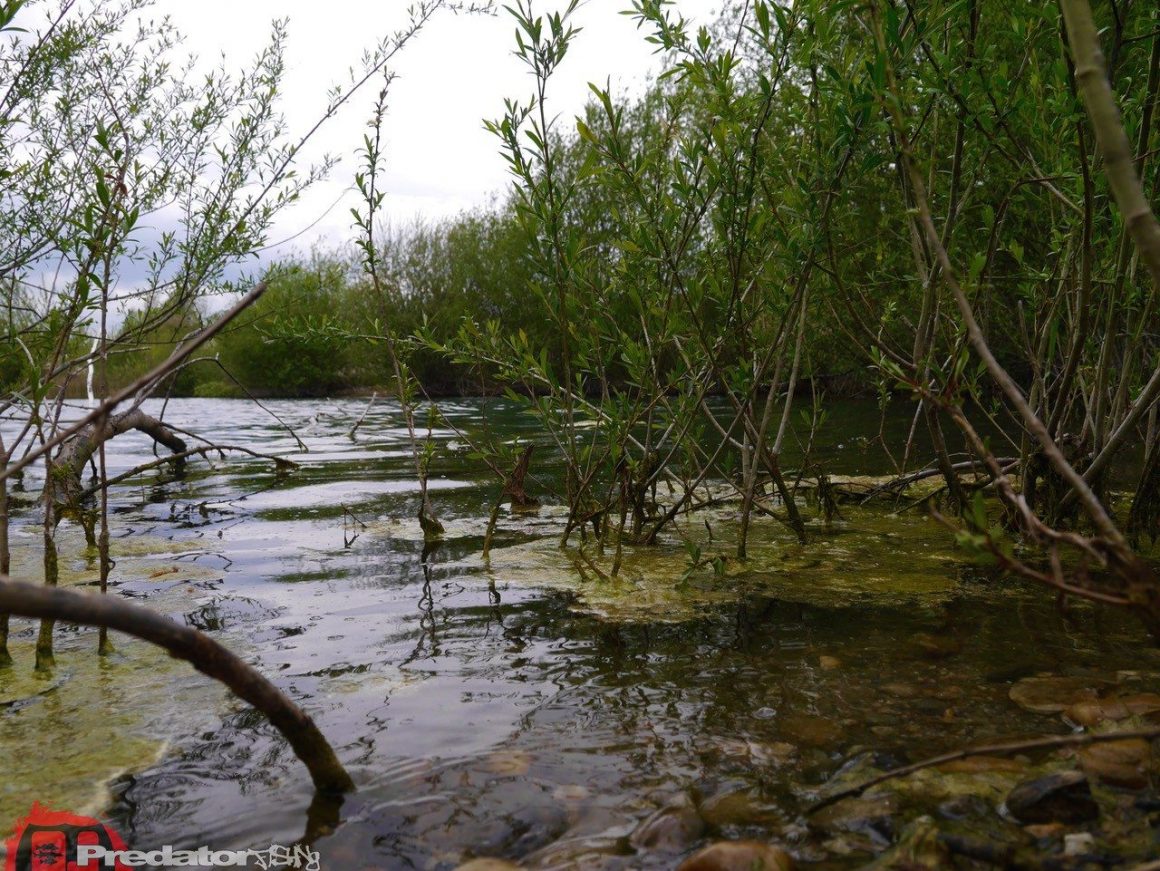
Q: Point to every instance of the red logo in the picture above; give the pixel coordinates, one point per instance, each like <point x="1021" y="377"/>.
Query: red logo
<point x="48" y="840"/>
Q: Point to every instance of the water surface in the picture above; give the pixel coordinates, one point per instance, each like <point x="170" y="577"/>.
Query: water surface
<point x="511" y="708"/>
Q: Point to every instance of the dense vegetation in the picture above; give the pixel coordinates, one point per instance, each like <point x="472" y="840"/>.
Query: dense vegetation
<point x="947" y="202"/>
<point x="813" y="195"/>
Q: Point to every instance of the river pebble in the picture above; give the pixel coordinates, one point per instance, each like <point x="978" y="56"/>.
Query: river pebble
<point x="739" y="856"/>
<point x="1064" y="797"/>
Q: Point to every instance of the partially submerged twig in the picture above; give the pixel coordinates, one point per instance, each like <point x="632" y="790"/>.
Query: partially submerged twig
<point x="196" y="648"/>
<point x="1006" y="749"/>
<point x="281" y="463"/>
<point x="362" y="417"/>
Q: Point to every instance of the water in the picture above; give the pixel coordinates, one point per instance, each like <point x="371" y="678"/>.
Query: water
<point x="512" y="709"/>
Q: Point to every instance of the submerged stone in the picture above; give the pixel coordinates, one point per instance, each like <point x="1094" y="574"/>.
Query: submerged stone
<point x="670" y="829"/>
<point x="963" y="807"/>
<point x="739" y="807"/>
<point x="989" y="780"/>
<point x="509" y="763"/>
<point x="1052" y="694"/>
<point x="810" y="730"/>
<point x="1064" y="797"/>
<point x="571" y="792"/>
<point x="739" y="856"/>
<point x="1092" y="712"/>
<point x="1142" y="704"/>
<point x="1078" y="843"/>
<point x="1045" y="831"/>
<point x="1126" y="763"/>
<point x="936" y="646"/>
<point x="919" y="848"/>
<point x="872" y="816"/>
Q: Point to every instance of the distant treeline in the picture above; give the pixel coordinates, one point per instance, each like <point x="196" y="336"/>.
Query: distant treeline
<point x="317" y="330"/>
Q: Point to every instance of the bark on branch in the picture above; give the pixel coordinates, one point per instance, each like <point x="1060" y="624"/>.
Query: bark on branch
<point x="196" y="648"/>
<point x="69" y="464"/>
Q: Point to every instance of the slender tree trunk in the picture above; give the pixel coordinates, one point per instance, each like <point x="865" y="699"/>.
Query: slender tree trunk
<point x="5" y="553"/>
<point x="44" y="653"/>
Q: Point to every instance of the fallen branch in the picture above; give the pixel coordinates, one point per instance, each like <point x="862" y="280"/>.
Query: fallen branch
<point x="202" y="652"/>
<point x="76" y="452"/>
<point x="904" y="481"/>
<point x="281" y="463"/>
<point x="1007" y="749"/>
<point x="141" y="386"/>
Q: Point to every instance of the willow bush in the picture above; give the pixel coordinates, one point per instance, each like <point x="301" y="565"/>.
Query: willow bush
<point x="916" y="187"/>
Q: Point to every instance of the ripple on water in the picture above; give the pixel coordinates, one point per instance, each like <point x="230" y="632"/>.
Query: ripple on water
<point x="525" y="707"/>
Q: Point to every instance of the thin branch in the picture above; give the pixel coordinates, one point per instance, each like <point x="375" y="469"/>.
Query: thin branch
<point x="1006" y="749"/>
<point x="196" y="648"/>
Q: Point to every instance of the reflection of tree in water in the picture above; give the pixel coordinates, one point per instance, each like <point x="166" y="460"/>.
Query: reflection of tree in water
<point x="427" y="645"/>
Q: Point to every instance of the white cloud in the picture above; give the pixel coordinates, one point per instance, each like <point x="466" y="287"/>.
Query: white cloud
<point x="440" y="159"/>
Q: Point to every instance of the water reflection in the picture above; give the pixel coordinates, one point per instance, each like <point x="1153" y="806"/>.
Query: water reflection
<point x="485" y="709"/>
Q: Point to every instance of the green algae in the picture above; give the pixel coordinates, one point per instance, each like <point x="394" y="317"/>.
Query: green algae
<point x="106" y="716"/>
<point x="869" y="557"/>
<point x="142" y="558"/>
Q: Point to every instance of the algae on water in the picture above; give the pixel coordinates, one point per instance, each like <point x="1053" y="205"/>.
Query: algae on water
<point x="869" y="557"/>
<point x="105" y="716"/>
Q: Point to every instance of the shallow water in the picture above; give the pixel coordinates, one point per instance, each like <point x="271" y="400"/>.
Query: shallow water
<point x="511" y="708"/>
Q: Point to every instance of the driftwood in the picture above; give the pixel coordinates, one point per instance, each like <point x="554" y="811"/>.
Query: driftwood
<point x="900" y="483"/>
<point x="196" y="648"/>
<point x="69" y="463"/>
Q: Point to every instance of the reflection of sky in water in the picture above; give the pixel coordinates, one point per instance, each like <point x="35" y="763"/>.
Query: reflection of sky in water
<point x="513" y="707"/>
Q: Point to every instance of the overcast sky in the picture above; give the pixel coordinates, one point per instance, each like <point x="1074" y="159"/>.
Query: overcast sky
<point x="440" y="159"/>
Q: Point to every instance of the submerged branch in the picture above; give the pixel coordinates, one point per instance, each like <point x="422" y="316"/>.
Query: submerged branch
<point x="281" y="463"/>
<point x="1007" y="749"/>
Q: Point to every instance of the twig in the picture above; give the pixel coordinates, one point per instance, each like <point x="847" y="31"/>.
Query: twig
<point x="987" y="750"/>
<point x="196" y="648"/>
<point x="362" y="417"/>
<point x="249" y="395"/>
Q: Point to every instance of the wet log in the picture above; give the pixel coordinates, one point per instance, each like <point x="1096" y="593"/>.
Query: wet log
<point x="76" y="451"/>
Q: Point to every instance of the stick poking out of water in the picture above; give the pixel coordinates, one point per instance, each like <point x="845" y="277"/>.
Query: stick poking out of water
<point x="196" y="648"/>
